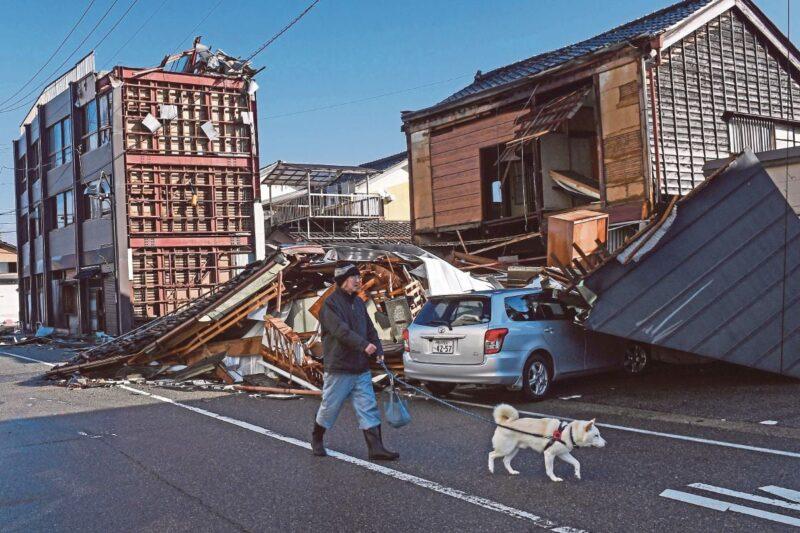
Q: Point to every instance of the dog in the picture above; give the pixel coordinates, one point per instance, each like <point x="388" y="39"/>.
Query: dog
<point x="507" y="443"/>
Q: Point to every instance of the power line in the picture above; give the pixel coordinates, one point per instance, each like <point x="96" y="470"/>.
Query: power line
<point x="58" y="69"/>
<point x="145" y="23"/>
<point x="115" y="24"/>
<point x="191" y="32"/>
<point x="57" y="50"/>
<point x="365" y="99"/>
<point x="284" y="30"/>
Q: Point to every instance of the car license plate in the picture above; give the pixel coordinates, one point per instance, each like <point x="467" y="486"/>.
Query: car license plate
<point x="443" y="346"/>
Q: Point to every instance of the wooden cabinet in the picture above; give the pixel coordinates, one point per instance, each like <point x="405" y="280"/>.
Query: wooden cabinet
<point x="582" y="227"/>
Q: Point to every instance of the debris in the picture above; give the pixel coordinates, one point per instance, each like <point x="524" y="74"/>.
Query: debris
<point x="168" y="111"/>
<point x="264" y="322"/>
<point x="278" y="390"/>
<point x="209" y="130"/>
<point x="573" y="397"/>
<point x="151" y="123"/>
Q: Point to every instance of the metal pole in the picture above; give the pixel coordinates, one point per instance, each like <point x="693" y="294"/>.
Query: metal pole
<point x="308" y="193"/>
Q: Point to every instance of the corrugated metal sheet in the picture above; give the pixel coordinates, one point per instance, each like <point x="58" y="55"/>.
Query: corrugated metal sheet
<point x="651" y="24"/>
<point x="82" y="68"/>
<point x="722" y="281"/>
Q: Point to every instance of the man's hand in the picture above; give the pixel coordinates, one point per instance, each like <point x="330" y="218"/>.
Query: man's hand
<point x="370" y="349"/>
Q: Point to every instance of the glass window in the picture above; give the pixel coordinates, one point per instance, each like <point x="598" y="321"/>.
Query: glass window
<point x="90" y="137"/>
<point x="786" y="136"/>
<point x="64" y="209"/>
<point x="454" y="312"/>
<point x="59" y="144"/>
<point x="530" y="307"/>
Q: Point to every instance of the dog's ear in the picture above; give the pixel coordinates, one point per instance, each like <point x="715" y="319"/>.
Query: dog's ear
<point x="589" y="424"/>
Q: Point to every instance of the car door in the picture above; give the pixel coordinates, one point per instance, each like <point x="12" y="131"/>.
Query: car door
<point x="545" y="317"/>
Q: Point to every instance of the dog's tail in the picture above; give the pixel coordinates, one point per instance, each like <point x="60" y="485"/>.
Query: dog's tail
<point x="504" y="413"/>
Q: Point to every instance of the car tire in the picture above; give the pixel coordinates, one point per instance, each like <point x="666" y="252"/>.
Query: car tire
<point x="438" y="388"/>
<point x="537" y="378"/>
<point x="636" y="359"/>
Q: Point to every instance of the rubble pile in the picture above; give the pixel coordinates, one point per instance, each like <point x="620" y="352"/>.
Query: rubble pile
<point x="265" y="320"/>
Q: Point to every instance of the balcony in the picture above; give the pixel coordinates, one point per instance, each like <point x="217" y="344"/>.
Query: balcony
<point x="302" y="205"/>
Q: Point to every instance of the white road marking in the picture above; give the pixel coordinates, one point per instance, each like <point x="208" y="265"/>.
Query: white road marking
<point x="719" y="505"/>
<point x="746" y="496"/>
<point x="675" y="436"/>
<point x="27" y="358"/>
<point x="380" y="469"/>
<point x="789" y="494"/>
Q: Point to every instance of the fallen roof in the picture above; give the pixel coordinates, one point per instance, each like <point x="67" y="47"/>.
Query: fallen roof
<point x="717" y="276"/>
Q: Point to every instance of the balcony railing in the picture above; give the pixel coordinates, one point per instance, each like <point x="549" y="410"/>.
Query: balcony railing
<point x="356" y="206"/>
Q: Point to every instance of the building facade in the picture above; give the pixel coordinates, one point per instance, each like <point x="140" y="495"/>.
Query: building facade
<point x="619" y="123"/>
<point x="136" y="191"/>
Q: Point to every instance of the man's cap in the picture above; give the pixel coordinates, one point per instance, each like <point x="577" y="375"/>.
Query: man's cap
<point x="345" y="271"/>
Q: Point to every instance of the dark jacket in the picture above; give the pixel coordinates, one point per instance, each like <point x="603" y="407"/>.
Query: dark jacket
<point x="346" y="332"/>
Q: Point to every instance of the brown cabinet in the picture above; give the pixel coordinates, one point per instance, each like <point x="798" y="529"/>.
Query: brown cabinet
<point x="582" y="227"/>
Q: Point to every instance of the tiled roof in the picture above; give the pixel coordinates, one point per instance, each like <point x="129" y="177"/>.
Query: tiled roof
<point x="648" y="25"/>
<point x="386" y="162"/>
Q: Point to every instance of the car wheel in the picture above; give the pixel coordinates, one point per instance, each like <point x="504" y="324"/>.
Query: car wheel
<point x="636" y="359"/>
<point x="537" y="377"/>
<point x="440" y="389"/>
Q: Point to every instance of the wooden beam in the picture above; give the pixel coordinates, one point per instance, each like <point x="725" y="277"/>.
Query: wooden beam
<point x="513" y="240"/>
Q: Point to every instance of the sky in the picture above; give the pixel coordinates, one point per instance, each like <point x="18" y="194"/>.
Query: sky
<point x="334" y="85"/>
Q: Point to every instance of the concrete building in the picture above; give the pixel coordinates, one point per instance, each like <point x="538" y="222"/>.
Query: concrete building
<point x="136" y="190"/>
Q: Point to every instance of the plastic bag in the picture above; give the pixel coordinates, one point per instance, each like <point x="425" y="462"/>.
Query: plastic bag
<point x="395" y="409"/>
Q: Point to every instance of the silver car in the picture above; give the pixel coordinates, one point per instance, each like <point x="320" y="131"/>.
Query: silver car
<point x="524" y="339"/>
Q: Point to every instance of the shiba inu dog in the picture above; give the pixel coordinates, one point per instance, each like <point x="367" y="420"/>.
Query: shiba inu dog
<point x="565" y="438"/>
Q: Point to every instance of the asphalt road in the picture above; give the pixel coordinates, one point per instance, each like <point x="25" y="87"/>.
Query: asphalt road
<point x="152" y="459"/>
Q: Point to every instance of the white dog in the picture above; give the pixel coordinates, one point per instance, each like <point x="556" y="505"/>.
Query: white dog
<point x="576" y="434"/>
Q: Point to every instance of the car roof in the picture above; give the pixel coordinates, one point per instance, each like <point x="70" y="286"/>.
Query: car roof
<point x="489" y="293"/>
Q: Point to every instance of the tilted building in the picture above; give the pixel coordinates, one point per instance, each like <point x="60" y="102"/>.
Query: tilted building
<point x="136" y="190"/>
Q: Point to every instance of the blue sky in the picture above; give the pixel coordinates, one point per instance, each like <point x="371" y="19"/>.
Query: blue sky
<point x="343" y="50"/>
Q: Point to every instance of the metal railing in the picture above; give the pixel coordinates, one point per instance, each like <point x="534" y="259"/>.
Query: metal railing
<point x="323" y="205"/>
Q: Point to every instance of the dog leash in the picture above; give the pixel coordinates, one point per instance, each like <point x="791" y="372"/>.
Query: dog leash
<point x="553" y="439"/>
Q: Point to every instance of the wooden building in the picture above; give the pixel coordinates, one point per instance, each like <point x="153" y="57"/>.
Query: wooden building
<point x="616" y="123"/>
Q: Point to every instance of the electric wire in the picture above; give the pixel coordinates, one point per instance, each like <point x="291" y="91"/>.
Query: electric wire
<point x="57" y="70"/>
<point x="56" y="51"/>
<point x="283" y="30"/>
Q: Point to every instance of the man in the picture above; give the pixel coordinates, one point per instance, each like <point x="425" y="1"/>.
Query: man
<point x="349" y="339"/>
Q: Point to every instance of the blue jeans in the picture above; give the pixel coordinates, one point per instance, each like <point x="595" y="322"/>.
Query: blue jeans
<point x="339" y="387"/>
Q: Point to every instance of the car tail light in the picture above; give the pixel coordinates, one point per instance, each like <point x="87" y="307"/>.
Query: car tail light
<point x="493" y="340"/>
<point x="406" y="344"/>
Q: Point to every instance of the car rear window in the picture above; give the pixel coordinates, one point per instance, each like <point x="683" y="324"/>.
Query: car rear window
<point x="455" y="312"/>
<point x="530" y="307"/>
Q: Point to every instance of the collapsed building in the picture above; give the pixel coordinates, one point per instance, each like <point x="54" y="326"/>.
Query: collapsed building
<point x="616" y="124"/>
<point x="681" y="289"/>
<point x="265" y="318"/>
<point x="136" y="190"/>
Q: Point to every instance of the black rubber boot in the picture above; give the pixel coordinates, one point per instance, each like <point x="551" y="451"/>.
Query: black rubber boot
<point x="375" y="445"/>
<point x="317" y="447"/>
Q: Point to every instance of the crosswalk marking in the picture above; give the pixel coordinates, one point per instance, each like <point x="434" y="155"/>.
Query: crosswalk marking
<point x="746" y="496"/>
<point x="788" y="494"/>
<point x="719" y="505"/>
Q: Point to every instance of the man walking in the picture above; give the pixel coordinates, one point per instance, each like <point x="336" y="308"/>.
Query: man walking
<point x="348" y="340"/>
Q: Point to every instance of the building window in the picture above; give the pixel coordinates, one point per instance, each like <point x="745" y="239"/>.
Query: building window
<point x="760" y="134"/>
<point x="97" y="201"/>
<point x="59" y="143"/>
<point x="64" y="209"/>
<point x="36" y="221"/>
<point x="96" y="123"/>
<point x="12" y="267"/>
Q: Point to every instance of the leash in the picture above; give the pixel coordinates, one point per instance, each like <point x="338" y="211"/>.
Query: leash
<point x="552" y="438"/>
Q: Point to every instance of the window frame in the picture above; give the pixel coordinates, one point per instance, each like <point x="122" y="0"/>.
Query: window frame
<point x="96" y="116"/>
<point x="63" y="209"/>
<point x="61" y="154"/>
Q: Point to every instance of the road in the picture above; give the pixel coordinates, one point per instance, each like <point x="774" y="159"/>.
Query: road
<point x="687" y="452"/>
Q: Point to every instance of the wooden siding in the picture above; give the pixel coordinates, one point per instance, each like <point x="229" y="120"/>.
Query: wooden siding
<point x="421" y="180"/>
<point x="622" y="134"/>
<point x="455" y="165"/>
<point x="723" y="66"/>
